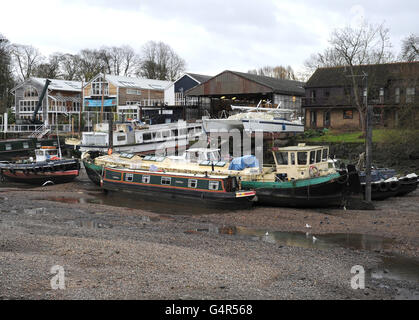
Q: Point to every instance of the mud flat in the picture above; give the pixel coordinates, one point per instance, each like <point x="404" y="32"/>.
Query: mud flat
<point x="113" y="247"/>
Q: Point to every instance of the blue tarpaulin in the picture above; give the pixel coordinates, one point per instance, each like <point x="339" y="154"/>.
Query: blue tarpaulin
<point x="244" y="162"/>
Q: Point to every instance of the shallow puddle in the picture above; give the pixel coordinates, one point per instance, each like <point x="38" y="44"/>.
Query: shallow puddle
<point x="394" y="267"/>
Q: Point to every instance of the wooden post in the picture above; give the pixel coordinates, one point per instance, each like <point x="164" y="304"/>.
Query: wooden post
<point x="368" y="145"/>
<point x="81" y="107"/>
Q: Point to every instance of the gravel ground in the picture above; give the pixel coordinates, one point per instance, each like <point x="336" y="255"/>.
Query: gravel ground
<point x="109" y="252"/>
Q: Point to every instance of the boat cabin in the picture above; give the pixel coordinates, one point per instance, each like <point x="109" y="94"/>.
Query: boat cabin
<point x="46" y="154"/>
<point x="301" y="162"/>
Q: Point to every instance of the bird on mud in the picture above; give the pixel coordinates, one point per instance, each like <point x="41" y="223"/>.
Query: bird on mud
<point x="314" y="239"/>
<point x="308" y="226"/>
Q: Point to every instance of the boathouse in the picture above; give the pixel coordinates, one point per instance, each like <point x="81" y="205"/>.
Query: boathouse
<point x="392" y="89"/>
<point x="232" y="87"/>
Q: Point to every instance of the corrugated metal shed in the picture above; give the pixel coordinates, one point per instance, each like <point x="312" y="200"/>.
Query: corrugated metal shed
<point x="237" y="83"/>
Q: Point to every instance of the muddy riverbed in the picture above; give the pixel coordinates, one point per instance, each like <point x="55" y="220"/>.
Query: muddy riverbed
<point x="118" y="247"/>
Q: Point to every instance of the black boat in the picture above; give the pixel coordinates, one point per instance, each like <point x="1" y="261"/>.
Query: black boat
<point x="385" y="183"/>
<point x="47" y="167"/>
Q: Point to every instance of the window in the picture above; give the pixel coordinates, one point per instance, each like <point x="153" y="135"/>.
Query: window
<point x="213" y="185"/>
<point x="326" y="119"/>
<point x="120" y="138"/>
<point x="319" y="156"/>
<point x="192" y="183"/>
<point x="302" y="157"/>
<point x="381" y="96"/>
<point x="30" y="92"/>
<point x="282" y="158"/>
<point x="410" y="95"/>
<point x="8" y="146"/>
<point x="313" y="95"/>
<point x="99" y="87"/>
<point x="129" y="177"/>
<point x="312" y="157"/>
<point x="166" y="181"/>
<point x="348" y="114"/>
<point x="145" y="179"/>
<point x="25" y="145"/>
<point x="397" y="95"/>
<point x="146" y="136"/>
<point x="313" y="119"/>
<point x="134" y="91"/>
<point x="327" y="93"/>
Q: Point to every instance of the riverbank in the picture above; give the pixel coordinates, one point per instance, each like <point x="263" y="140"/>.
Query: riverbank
<point x="113" y="247"/>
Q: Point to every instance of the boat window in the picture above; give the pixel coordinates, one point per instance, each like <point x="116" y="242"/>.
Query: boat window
<point x="325" y="154"/>
<point x="302" y="157"/>
<point x="319" y="155"/>
<point x="145" y="179"/>
<point x="312" y="157"/>
<point x="146" y="136"/>
<point x="25" y="145"/>
<point x="39" y="152"/>
<point x="292" y="154"/>
<point x="220" y="164"/>
<point x="166" y="180"/>
<point x="8" y="146"/>
<point x="213" y="185"/>
<point x="282" y="158"/>
<point x="129" y="177"/>
<point x="192" y="183"/>
<point x="54" y="143"/>
<point x="174" y="133"/>
<point x="120" y="138"/>
<point x="126" y="155"/>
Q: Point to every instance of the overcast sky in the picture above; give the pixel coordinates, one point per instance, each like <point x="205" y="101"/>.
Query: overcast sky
<point x="211" y="35"/>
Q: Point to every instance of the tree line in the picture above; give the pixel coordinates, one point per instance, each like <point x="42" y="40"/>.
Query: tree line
<point x="156" y="60"/>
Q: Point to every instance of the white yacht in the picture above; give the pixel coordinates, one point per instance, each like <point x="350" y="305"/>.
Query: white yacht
<point x="253" y="119"/>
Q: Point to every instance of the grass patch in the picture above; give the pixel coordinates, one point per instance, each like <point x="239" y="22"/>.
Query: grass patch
<point x="378" y="135"/>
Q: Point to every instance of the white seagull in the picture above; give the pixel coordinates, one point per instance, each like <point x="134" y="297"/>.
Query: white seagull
<point x="266" y="234"/>
<point x="314" y="239"/>
<point x="308" y="226"/>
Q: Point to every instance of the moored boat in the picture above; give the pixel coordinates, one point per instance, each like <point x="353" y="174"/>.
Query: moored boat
<point x="47" y="167"/>
<point x="301" y="177"/>
<point x="212" y="190"/>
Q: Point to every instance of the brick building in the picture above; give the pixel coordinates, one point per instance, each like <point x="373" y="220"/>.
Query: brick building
<point x="392" y="89"/>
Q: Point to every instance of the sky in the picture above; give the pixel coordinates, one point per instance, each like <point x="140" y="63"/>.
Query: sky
<point x="210" y="35"/>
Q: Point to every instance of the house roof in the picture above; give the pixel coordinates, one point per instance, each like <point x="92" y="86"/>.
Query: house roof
<point x="379" y="74"/>
<point x="198" y="77"/>
<point x="139" y="83"/>
<point x="277" y="85"/>
<point x="56" y="84"/>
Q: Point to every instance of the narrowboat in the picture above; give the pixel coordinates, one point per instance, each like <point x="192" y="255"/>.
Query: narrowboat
<point x="48" y="166"/>
<point x="301" y="177"/>
<point x="211" y="190"/>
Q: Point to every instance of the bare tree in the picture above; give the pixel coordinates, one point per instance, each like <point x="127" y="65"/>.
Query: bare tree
<point x="159" y="61"/>
<point x="50" y="69"/>
<point x="26" y="59"/>
<point x="119" y="60"/>
<point x="279" y="72"/>
<point x="91" y="63"/>
<point x="351" y="47"/>
<point x="410" y="48"/>
<point x="70" y="66"/>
